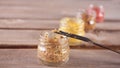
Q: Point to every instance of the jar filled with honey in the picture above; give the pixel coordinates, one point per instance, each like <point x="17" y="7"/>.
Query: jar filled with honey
<point x="73" y="25"/>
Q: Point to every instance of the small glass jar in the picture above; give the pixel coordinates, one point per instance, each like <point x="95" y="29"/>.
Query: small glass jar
<point x="53" y="49"/>
<point x="89" y="19"/>
<point x="74" y="26"/>
<point x="99" y="10"/>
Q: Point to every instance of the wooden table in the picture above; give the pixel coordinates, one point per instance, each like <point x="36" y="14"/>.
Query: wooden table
<point x="21" y="22"/>
<point x="27" y="58"/>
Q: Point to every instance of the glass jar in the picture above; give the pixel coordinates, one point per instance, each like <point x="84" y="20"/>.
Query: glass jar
<point x="74" y="26"/>
<point x="99" y="10"/>
<point x="89" y="19"/>
<point x="53" y="49"/>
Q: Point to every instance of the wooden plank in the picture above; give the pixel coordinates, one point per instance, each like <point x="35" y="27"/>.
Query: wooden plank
<point x="22" y="58"/>
<point x="30" y="37"/>
<point x="113" y="26"/>
<point x="28" y="24"/>
<point x="48" y="24"/>
<point x="106" y="38"/>
<point x="34" y="9"/>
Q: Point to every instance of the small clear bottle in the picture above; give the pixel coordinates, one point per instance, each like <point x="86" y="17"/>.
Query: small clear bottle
<point x="53" y="49"/>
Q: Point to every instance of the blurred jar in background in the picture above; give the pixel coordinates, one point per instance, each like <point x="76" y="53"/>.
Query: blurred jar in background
<point x="89" y="19"/>
<point x="73" y="25"/>
<point x="99" y="10"/>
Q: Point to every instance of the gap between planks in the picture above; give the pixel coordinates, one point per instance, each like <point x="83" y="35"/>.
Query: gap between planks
<point x="8" y="46"/>
<point x="21" y="24"/>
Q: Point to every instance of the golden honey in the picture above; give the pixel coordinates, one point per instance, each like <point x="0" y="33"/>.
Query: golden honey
<point x="74" y="26"/>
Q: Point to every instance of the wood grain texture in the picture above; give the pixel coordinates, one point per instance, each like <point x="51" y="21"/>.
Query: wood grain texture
<point x="48" y="24"/>
<point x="31" y="37"/>
<point x="22" y="20"/>
<point x="27" y="58"/>
<point x="28" y="24"/>
<point x="22" y="24"/>
<point x="39" y="9"/>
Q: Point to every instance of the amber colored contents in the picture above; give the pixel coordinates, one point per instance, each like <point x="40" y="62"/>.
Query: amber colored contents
<point x="53" y="49"/>
<point x="90" y="22"/>
<point x="73" y="25"/>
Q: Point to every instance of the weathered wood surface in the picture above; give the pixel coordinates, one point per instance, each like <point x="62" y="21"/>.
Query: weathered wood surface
<point x="28" y="34"/>
<point x="22" y="20"/>
<point x="38" y="9"/>
<point x="48" y="24"/>
<point x="31" y="37"/>
<point x="27" y="58"/>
